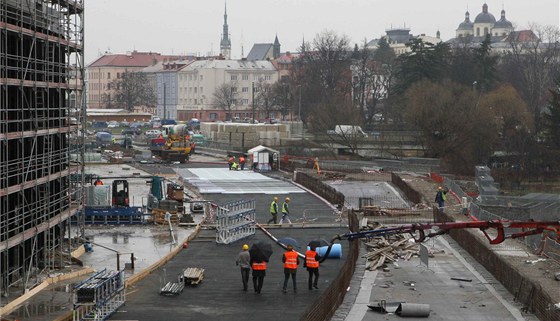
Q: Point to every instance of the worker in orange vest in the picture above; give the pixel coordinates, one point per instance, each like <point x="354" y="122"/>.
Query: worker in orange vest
<point x="259" y="272"/>
<point x="242" y="162"/>
<point x="312" y="265"/>
<point x="230" y="161"/>
<point x="98" y="182"/>
<point x="291" y="262"/>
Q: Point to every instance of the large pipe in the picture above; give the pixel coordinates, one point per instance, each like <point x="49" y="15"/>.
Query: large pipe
<point x="413" y="310"/>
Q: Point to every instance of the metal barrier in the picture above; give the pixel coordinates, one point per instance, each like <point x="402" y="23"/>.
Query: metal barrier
<point x="234" y="221"/>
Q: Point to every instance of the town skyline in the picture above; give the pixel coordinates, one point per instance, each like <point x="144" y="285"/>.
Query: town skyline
<point x="197" y="30"/>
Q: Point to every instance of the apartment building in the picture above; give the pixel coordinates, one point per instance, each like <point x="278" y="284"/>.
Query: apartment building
<point x="105" y="69"/>
<point x="198" y="82"/>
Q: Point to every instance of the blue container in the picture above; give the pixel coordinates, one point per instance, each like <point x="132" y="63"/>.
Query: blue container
<point x="335" y="253"/>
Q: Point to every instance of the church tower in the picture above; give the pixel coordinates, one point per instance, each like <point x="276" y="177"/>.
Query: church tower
<point x="225" y="43"/>
<point x="276" y="48"/>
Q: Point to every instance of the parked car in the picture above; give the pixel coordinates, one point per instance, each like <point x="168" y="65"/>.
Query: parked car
<point x="268" y="120"/>
<point x="99" y="124"/>
<point x="113" y="124"/>
<point x="131" y="131"/>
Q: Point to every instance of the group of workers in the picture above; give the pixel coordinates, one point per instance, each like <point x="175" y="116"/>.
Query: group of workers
<point x="285" y="211"/>
<point x="233" y="165"/>
<point x="290" y="258"/>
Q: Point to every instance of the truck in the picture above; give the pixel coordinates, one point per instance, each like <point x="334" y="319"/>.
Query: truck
<point x="349" y="131"/>
<point x="177" y="146"/>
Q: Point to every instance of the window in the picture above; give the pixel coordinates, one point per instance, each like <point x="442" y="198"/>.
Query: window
<point x="195" y="102"/>
<point x="195" y="89"/>
<point x="233" y="89"/>
<point x="233" y="77"/>
<point x="245" y="101"/>
<point x="485" y="31"/>
<point x="213" y="116"/>
<point x="201" y="78"/>
<point x="245" y="89"/>
<point x="108" y="75"/>
<point x="267" y="77"/>
<point x="478" y="32"/>
<point x="245" y="77"/>
<point x="201" y="90"/>
<point x="190" y="77"/>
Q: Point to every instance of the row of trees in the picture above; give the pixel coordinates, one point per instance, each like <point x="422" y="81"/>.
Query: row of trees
<point x="466" y="100"/>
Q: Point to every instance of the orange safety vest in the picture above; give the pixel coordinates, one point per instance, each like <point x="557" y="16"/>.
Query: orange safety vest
<point x="241" y="160"/>
<point x="310" y="261"/>
<point x="231" y="160"/>
<point x="291" y="260"/>
<point x="259" y="266"/>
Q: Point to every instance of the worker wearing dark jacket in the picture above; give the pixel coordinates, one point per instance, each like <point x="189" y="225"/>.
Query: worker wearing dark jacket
<point x="243" y="260"/>
<point x="312" y="265"/>
<point x="440" y="197"/>
<point x="291" y="262"/>
<point x="259" y="272"/>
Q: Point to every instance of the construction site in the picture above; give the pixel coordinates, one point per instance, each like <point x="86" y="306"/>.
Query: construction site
<point x="87" y="236"/>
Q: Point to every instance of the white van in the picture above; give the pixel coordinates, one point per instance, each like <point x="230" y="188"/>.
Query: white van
<point x="152" y="133"/>
<point x="349" y="131"/>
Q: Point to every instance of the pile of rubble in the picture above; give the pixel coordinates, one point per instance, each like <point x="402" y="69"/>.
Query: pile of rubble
<point x="389" y="248"/>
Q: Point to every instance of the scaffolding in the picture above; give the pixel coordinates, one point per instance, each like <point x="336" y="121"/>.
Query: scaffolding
<point x="42" y="114"/>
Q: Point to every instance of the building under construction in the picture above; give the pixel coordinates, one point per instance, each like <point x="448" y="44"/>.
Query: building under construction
<point x="41" y="118"/>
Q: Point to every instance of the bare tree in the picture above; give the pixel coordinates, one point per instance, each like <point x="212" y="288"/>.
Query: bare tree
<point x="533" y="64"/>
<point x="265" y="97"/>
<point x="326" y="117"/>
<point x="225" y="97"/>
<point x="130" y="90"/>
<point x="455" y="127"/>
<point x="372" y="78"/>
<point x="322" y="71"/>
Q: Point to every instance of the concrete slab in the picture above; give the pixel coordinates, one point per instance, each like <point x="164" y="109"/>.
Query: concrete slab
<point x="222" y="180"/>
<point x="220" y="296"/>
<point x="354" y="190"/>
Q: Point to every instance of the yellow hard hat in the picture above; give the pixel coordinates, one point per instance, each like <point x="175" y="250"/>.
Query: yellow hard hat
<point x="287" y="199"/>
<point x="275" y="198"/>
<point x="245" y="247"/>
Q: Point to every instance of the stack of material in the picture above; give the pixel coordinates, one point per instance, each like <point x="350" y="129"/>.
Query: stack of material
<point x="193" y="276"/>
<point x="172" y="288"/>
<point x="372" y="210"/>
<point x="159" y="216"/>
<point x="389" y="248"/>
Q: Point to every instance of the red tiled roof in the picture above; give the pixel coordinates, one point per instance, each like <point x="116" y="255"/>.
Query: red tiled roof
<point x="132" y="59"/>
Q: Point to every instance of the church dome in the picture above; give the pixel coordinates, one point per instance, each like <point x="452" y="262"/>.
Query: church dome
<point x="485" y="16"/>
<point x="503" y="22"/>
<point x="467" y="24"/>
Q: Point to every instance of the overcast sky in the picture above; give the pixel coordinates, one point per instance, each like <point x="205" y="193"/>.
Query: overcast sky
<point x="187" y="26"/>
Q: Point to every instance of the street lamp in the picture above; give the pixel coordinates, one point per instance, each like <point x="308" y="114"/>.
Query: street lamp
<point x="253" y="99"/>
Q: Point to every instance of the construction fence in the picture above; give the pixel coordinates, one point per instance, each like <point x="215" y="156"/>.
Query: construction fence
<point x="326" y="305"/>
<point x="516" y="209"/>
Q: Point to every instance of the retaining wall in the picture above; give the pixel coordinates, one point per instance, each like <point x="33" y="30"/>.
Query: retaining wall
<point x="537" y="290"/>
